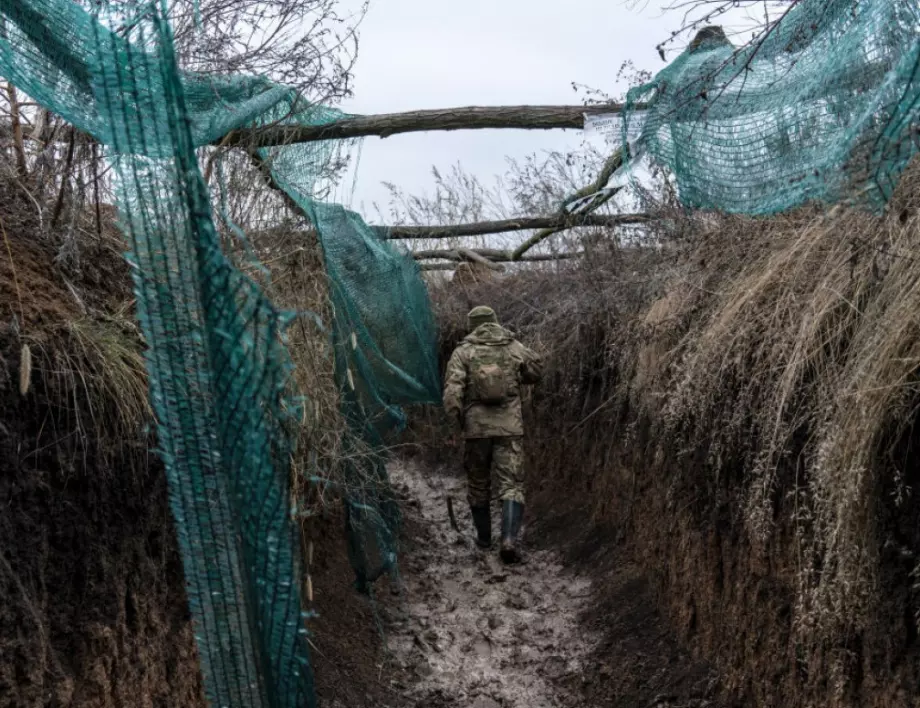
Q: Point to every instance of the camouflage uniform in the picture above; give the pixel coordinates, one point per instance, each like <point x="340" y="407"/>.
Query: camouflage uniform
<point x="503" y="457"/>
<point x="493" y="431"/>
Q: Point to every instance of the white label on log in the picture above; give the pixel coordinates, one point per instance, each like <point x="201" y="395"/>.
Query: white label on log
<point x="602" y="123"/>
<point x="610" y="126"/>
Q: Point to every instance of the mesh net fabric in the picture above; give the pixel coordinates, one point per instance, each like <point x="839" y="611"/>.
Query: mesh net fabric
<point x="216" y="357"/>
<point x="822" y="109"/>
<point x="374" y="354"/>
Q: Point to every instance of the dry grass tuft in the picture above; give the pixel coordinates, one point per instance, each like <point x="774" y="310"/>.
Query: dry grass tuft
<point x="294" y="276"/>
<point x="107" y="361"/>
<point x="767" y="366"/>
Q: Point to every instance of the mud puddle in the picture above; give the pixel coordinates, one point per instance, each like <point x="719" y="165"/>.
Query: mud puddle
<point x="473" y="633"/>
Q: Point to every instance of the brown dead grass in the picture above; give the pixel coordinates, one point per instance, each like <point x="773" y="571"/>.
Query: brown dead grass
<point x="67" y="295"/>
<point x="73" y="319"/>
<point x="814" y="336"/>
<point x="294" y="276"/>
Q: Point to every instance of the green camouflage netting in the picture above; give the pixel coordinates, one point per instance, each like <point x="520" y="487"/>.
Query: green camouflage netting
<point x="216" y="358"/>
<point x="823" y="109"/>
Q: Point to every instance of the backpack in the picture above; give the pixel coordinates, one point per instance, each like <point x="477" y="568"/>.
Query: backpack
<point x="491" y="375"/>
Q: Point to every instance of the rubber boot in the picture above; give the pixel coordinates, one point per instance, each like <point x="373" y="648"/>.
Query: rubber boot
<point x="512" y="514"/>
<point x="482" y="520"/>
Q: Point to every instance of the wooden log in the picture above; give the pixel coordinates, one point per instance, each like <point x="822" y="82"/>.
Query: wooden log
<point x="386" y="124"/>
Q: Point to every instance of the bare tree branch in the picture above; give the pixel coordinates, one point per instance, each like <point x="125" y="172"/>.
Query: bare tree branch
<point x="474" y="257"/>
<point x="698" y="14"/>
<point x="16" y="124"/>
<point x="493" y="255"/>
<point x="65" y="178"/>
<point x="307" y="44"/>
<point x="613" y="163"/>
<point x="538" y="258"/>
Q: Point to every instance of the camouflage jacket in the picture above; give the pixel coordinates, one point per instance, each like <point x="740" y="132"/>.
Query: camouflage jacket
<point x="489" y="343"/>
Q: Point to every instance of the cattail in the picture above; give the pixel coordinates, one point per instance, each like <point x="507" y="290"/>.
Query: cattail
<point x="25" y="370"/>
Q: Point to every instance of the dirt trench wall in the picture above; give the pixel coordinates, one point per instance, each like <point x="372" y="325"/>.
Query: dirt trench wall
<point x="732" y="599"/>
<point x="94" y="610"/>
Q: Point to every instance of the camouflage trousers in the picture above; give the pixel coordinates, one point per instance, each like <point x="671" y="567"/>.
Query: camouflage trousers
<point x="503" y="457"/>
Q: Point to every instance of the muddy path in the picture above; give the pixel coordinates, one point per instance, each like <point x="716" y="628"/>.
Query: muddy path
<point x="566" y="629"/>
<point x="472" y="632"/>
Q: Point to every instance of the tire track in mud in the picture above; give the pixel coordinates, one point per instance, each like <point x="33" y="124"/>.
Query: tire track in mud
<point x="473" y="633"/>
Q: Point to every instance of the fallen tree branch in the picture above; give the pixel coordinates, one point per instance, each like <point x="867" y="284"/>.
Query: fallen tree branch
<point x="438" y="266"/>
<point x="494" y="256"/>
<point x="471" y="255"/>
<point x="490" y="257"/>
<point x="386" y="124"/>
<point x="613" y="163"/>
<point x="481" y="228"/>
<point x="540" y="258"/>
<point x="560" y="221"/>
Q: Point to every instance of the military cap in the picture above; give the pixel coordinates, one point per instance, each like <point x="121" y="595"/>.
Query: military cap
<point x="481" y="315"/>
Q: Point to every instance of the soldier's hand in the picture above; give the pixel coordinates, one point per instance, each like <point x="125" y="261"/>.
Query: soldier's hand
<point x="452" y="441"/>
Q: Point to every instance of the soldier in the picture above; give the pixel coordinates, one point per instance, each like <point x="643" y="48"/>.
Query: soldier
<point x="482" y="397"/>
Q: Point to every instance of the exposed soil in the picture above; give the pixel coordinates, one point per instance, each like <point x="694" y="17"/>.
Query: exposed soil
<point x="640" y="660"/>
<point x="677" y="408"/>
<point x="352" y="668"/>
<point x="93" y="611"/>
<point x="94" y="614"/>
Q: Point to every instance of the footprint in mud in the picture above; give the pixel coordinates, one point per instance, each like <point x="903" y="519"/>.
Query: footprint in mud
<point x="485" y="702"/>
<point x="483" y="648"/>
<point x="480" y="634"/>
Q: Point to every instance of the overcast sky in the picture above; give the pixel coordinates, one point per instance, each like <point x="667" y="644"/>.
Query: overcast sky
<point x="434" y="54"/>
